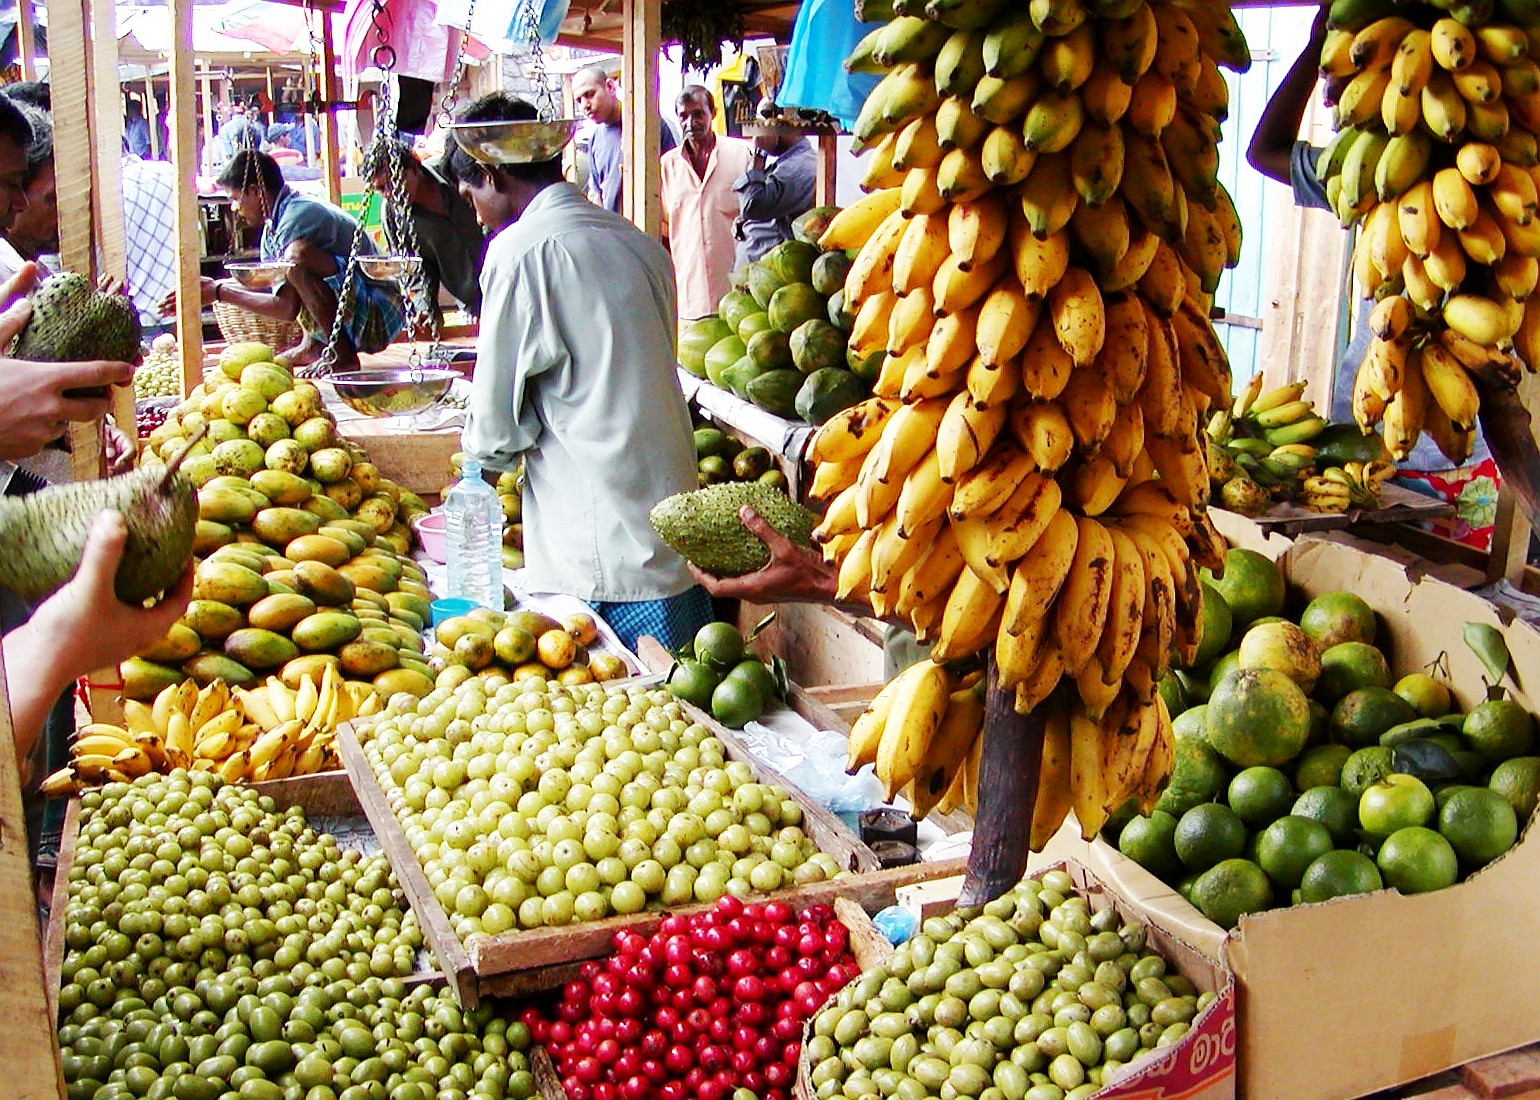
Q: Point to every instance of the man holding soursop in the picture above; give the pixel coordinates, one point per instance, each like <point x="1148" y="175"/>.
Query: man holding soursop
<point x="575" y="371"/>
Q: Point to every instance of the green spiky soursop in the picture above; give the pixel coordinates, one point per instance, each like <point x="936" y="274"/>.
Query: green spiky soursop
<point x="44" y="534"/>
<point x="703" y="526"/>
<point x="72" y="321"/>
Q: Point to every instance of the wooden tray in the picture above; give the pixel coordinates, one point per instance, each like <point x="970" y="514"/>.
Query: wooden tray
<point x="526" y="961"/>
<point x="1397" y="505"/>
<point x="328" y="794"/>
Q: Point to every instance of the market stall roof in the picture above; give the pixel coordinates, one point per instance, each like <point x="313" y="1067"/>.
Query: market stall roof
<point x="600" y="24"/>
<point x="239" y="30"/>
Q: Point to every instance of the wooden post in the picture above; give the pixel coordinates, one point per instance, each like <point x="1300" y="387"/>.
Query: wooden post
<point x="106" y="120"/>
<point x="27" y="1044"/>
<point x="1510" y="539"/>
<point x="184" y="159"/>
<point x="150" y="113"/>
<point x="331" y="92"/>
<point x="26" y="39"/>
<point x="1008" y="772"/>
<point x="823" y="187"/>
<point x="640" y="121"/>
<point x="208" y="123"/>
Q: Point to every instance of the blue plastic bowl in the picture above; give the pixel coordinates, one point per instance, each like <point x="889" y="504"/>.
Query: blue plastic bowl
<point x="449" y="607"/>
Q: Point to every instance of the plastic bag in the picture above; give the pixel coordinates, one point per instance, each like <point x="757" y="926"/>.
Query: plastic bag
<point x="814" y="760"/>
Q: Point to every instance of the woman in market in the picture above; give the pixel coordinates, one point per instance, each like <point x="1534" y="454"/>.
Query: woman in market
<point x="576" y="372"/>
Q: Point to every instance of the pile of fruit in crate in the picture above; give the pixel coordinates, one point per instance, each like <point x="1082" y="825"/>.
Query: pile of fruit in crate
<point x="1044" y="230"/>
<point x="510" y="495"/>
<point x="1037" y="995"/>
<point x="708" y="1004"/>
<point x="719" y="675"/>
<point x="719" y="457"/>
<point x="782" y="337"/>
<point x="1274" y="446"/>
<point x="1437" y="111"/>
<point x="159" y="373"/>
<point x="271" y="732"/>
<point x="534" y="804"/>
<point x="1305" y="772"/>
<point x="514" y="644"/>
<point x="218" y="947"/>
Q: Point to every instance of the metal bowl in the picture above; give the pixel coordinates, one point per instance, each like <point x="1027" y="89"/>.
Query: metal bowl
<point x="381" y="268"/>
<point x="399" y="391"/>
<point x="522" y="142"/>
<point x="260" y="276"/>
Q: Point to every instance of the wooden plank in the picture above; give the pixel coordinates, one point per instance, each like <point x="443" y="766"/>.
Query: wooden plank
<point x="816" y="712"/>
<point x="869" y="946"/>
<point x="331" y="92"/>
<point x="106" y="121"/>
<point x="640" y="122"/>
<point x="53" y="939"/>
<point x="1508" y="1074"/>
<point x="448" y="953"/>
<point x="185" y="214"/>
<point x="26" y="40"/>
<point x="28" y="1049"/>
<point x="828" y="154"/>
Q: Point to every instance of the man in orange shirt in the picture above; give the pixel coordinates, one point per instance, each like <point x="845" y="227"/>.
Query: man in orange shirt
<point x="700" y="205"/>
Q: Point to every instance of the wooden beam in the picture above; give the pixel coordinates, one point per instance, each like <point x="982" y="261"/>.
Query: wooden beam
<point x="331" y="92"/>
<point x="184" y="160"/>
<point x="106" y="120"/>
<point x="640" y="122"/>
<point x="151" y="114"/>
<point x="828" y="152"/>
<point x="26" y="39"/>
<point x="28" y="1048"/>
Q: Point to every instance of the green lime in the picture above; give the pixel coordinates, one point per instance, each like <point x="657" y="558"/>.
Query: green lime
<point x="1192" y="722"/>
<point x="1395" y="802"/>
<point x="756" y="672"/>
<point x="1335" y="617"/>
<point x="1518" y="780"/>
<point x="1231" y="888"/>
<point x="1207" y="834"/>
<point x="1332" y="807"/>
<point x="1479" y="824"/>
<point x="1171" y="690"/>
<point x="1149" y="842"/>
<point x="1415" y="860"/>
<point x="1288" y="846"/>
<point x="1198" y="776"/>
<point x="1283" y="647"/>
<point x="1499" y="729"/>
<point x="736" y="702"/>
<point x="1367" y="765"/>
<point x="1259" y="795"/>
<point x="1118" y="818"/>
<point x="719" y="644"/>
<point x="1252" y="585"/>
<point x="694" y="681"/>
<point x="1214" y="625"/>
<point x="1339" y="873"/>
<point x="1429" y="697"/>
<point x="1321" y="766"/>
<point x="1221" y="669"/>
<point x="1258" y="716"/>
<point x="1348" y="666"/>
<point x="1361" y="716"/>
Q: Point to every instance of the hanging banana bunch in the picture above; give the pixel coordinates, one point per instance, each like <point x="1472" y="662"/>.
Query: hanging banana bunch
<point x="1437" y="111"/>
<point x="1043" y="231"/>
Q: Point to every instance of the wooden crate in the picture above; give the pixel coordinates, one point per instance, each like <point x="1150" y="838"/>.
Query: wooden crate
<point x="526" y="961"/>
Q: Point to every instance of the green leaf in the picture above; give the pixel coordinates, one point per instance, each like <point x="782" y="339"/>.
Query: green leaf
<point x="782" y="679"/>
<point x="1427" y="760"/>
<point x="1486" y="642"/>
<point x="759" y="628"/>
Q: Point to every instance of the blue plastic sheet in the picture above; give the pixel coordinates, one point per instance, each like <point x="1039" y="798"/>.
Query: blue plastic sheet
<point x="825" y="33"/>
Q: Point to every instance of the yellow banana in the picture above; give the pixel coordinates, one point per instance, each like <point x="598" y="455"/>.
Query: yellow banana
<point x="869" y="331"/>
<point x="976" y="230"/>
<point x="1453" y="45"/>
<point x="1053" y="122"/>
<point x="1015" y="528"/>
<point x="956" y="289"/>
<point x="933" y="575"/>
<point x="1048" y="197"/>
<point x="1103" y="231"/>
<point x="957" y="126"/>
<point x="1043" y="431"/>
<point x="848" y="434"/>
<point x="960" y="177"/>
<point x="1143" y="248"/>
<point x="1080" y="611"/>
<point x="1079" y="316"/>
<point x="1149" y="187"/>
<point x="1164" y="282"/>
<point x="970" y="619"/>
<point x="1130" y="44"/>
<point x="916" y="146"/>
<point x="179" y="739"/>
<point x="991" y="385"/>
<point x="1095" y="484"/>
<point x="1161" y="393"/>
<point x="1040" y="262"/>
<point x="1450" y="385"/>
<point x="1006" y="320"/>
<point x="925" y="495"/>
<point x="1105" y="94"/>
<point x="960" y="727"/>
<point x="911" y="321"/>
<point x="1066" y="61"/>
<point x="1487" y="321"/>
<point x="854" y="225"/>
<point x="965" y="435"/>
<point x="1088" y="402"/>
<point x="1052" y="804"/>
<point x="953" y="342"/>
<point x="986" y="487"/>
<point x="920" y="252"/>
<point x="1045" y="365"/>
<point x="1186" y="470"/>
<point x="1087" y="792"/>
<point x="1005" y="100"/>
<point x="1004" y="157"/>
<point x="1454" y="199"/>
<point x="873" y="266"/>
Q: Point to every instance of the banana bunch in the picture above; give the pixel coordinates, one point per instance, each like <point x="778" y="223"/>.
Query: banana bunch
<point x="1351" y="485"/>
<point x="1435" y="158"/>
<point x="271" y="732"/>
<point x="1029" y="481"/>
<point x="1259" y="449"/>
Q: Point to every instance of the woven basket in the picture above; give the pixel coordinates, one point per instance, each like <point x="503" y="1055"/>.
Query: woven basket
<point x="237" y="324"/>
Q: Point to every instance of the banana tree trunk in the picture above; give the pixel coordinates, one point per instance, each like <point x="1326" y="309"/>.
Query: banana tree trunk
<point x="1510" y="434"/>
<point x="1008" y="772"/>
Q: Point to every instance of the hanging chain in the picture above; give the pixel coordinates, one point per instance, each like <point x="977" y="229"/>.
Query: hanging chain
<point x="544" y="102"/>
<point x="462" y="60"/>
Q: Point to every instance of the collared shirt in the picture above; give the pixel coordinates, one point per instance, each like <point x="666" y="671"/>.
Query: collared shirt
<point x="771" y="198"/>
<point x="297" y="217"/>
<point x="149" y="226"/>
<point x="451" y="245"/>
<point x="606" y="154"/>
<point x="698" y="216"/>
<point x="575" y="369"/>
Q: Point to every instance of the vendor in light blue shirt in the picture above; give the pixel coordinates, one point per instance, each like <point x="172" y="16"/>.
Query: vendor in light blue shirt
<point x="594" y="92"/>
<point x="575" y="371"/>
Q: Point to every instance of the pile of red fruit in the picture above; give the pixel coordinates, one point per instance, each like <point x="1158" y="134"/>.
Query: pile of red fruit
<point x="149" y="417"/>
<point x="708" y="1004"/>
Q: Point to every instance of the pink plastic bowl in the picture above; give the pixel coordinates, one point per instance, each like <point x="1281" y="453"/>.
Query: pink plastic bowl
<point x="430" y="535"/>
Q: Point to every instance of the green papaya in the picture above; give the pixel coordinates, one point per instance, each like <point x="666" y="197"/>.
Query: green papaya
<point x="776" y="391"/>
<point x="825" y="392"/>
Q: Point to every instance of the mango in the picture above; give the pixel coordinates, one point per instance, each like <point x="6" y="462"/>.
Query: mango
<point x="374" y="575"/>
<point x="364" y="530"/>
<point x="405" y="619"/>
<point x="208" y="667"/>
<point x="407" y="601"/>
<point x="180" y="643"/>
<point x="365" y="597"/>
<point x="257" y="648"/>
<point x="330" y="464"/>
<point x="409" y="639"/>
<point x="325" y="507"/>
<point x="212" y="619"/>
<point x="268" y="379"/>
<point x="365" y="660"/>
<point x="317" y="548"/>
<point x="398" y="538"/>
<point x="450" y="631"/>
<point x="378" y="510"/>
<point x="210" y="535"/>
<point x="345" y="535"/>
<point x="228" y="506"/>
<point x="280" y="612"/>
<point x="228" y="583"/>
<point x="287" y="456"/>
<point x="380" y="634"/>
<point x="240" y="555"/>
<point x="310" y="665"/>
<point x="317" y="434"/>
<point x="344" y="491"/>
<point x="414" y="588"/>
<point x="367" y="474"/>
<point x="285" y="526"/>
<point x="532" y="621"/>
<point x="322" y="583"/>
<point x="282" y="487"/>
<point x="326" y="630"/>
<point x="416" y="663"/>
<point x="296" y="406"/>
<point x="409" y="680"/>
<point x="145" y="680"/>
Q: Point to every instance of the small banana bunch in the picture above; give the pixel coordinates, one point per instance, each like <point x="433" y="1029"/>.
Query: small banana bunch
<point x="1341" y="488"/>
<point x="1438" y="111"/>
<point x="923" y="735"/>
<point x="1259" y="448"/>
<point x="271" y="732"/>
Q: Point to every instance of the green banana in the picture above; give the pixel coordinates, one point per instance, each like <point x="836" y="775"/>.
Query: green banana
<point x="910" y="38"/>
<point x="965" y="15"/>
<point x="1011" y="47"/>
<point x="1328" y="162"/>
<point x="1402" y="164"/>
<point x="1300" y="431"/>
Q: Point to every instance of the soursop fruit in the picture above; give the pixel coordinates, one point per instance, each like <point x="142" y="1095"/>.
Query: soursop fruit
<point x="44" y="534"/>
<point x="703" y="525"/>
<point x="72" y="321"/>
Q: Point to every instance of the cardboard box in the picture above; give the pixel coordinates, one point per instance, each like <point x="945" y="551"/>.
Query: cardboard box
<point x="1202" y="1066"/>
<point x="1359" y="994"/>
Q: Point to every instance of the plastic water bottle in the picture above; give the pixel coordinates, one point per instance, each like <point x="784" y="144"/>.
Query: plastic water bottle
<point x="473" y="538"/>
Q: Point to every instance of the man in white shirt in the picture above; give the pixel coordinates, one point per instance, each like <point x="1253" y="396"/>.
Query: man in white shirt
<point x="575" y="370"/>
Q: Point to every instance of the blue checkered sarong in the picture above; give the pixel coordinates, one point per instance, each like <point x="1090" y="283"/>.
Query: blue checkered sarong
<point x="672" y="621"/>
<point x="373" y="315"/>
